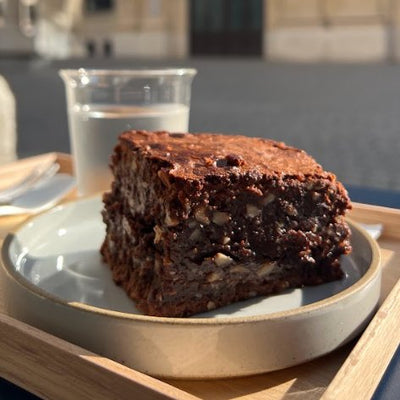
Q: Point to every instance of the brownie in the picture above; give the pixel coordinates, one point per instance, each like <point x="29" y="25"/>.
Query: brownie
<point x="199" y="221"/>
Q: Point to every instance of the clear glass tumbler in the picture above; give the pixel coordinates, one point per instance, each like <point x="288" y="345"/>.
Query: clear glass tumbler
<point x="103" y="103"/>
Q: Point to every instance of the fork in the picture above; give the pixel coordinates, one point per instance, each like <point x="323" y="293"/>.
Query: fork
<point x="38" y="175"/>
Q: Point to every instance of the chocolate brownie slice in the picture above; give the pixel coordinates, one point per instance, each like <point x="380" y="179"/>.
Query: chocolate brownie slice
<point x="198" y="221"/>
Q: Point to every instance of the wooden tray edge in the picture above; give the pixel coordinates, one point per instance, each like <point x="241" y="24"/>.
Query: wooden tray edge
<point x="63" y="362"/>
<point x="363" y="369"/>
<point x="66" y="371"/>
<point x="371" y="214"/>
<point x="368" y="360"/>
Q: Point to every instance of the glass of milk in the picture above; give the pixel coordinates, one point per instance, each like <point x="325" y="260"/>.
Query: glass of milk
<point x="101" y="104"/>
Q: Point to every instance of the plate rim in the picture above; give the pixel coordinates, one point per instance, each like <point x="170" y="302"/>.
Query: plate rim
<point x="373" y="272"/>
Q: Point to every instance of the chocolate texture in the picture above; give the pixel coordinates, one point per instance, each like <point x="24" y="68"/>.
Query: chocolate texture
<point x="198" y="221"/>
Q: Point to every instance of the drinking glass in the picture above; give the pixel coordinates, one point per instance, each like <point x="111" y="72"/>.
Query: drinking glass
<point x="101" y="104"/>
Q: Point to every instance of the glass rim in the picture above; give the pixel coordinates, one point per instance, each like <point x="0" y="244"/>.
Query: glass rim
<point x="140" y="72"/>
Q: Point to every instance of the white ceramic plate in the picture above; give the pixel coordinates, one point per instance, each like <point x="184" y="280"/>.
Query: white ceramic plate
<point x="57" y="282"/>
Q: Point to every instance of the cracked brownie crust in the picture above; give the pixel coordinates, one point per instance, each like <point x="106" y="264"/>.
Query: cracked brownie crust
<point x="198" y="221"/>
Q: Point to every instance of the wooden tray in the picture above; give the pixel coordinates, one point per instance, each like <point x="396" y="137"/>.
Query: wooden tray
<point x="53" y="368"/>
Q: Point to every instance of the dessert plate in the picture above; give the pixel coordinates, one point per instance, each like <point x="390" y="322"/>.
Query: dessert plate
<point x="57" y="282"/>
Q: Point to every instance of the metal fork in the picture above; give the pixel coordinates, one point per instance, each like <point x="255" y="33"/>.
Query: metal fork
<point x="39" y="174"/>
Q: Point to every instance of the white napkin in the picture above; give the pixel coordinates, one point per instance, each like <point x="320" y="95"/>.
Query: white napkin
<point x="8" y="130"/>
<point x="41" y="197"/>
<point x="375" y="230"/>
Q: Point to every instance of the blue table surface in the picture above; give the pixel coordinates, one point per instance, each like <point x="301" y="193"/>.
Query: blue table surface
<point x="389" y="387"/>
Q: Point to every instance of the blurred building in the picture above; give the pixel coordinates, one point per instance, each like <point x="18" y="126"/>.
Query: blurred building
<point x="16" y="29"/>
<point x="332" y="30"/>
<point x="290" y="30"/>
<point x="119" y="28"/>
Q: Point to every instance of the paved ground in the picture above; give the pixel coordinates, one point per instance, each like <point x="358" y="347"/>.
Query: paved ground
<point x="346" y="116"/>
